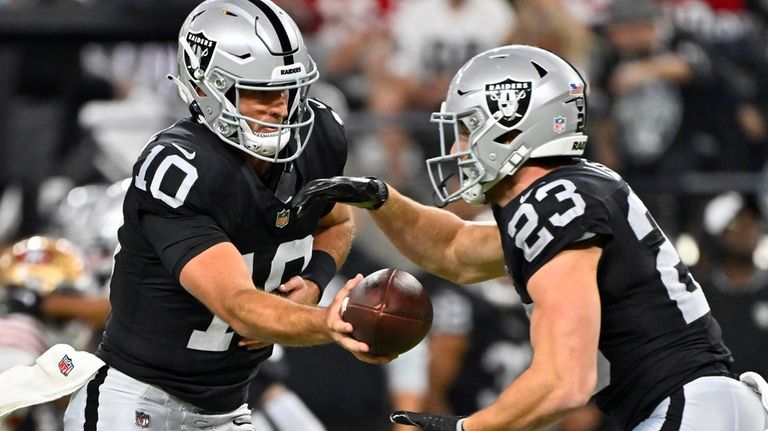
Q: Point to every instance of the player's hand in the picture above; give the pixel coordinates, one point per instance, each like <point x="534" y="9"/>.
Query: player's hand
<point x="253" y="344"/>
<point x="364" y="192"/>
<point x="341" y="331"/>
<point x="300" y="290"/>
<point x="428" y="422"/>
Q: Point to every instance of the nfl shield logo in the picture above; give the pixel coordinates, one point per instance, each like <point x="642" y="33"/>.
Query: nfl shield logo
<point x="559" y="124"/>
<point x="142" y="419"/>
<point x="66" y="366"/>
<point x="508" y="100"/>
<point x="282" y="218"/>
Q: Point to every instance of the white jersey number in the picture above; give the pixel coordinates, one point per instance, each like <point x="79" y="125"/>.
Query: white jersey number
<point x="531" y="226"/>
<point x="217" y="337"/>
<point x="180" y="196"/>
<point x="692" y="303"/>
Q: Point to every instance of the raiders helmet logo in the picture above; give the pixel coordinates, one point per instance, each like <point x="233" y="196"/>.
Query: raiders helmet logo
<point x="203" y="49"/>
<point x="508" y="100"/>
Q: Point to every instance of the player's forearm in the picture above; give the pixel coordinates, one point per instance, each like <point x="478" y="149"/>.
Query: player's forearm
<point x="423" y="234"/>
<point x="439" y="241"/>
<point x="95" y="311"/>
<point x="533" y="401"/>
<point x="335" y="233"/>
<point x="263" y="316"/>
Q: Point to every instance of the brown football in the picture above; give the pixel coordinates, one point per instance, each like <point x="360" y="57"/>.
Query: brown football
<point x="389" y="310"/>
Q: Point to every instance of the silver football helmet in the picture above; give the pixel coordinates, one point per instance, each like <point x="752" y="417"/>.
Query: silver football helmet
<point x="504" y="106"/>
<point x="226" y="46"/>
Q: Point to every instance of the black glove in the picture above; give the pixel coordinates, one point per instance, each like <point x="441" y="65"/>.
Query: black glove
<point x="364" y="192"/>
<point x="428" y="422"/>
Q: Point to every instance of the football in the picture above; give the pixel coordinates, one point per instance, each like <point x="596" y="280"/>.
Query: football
<point x="389" y="310"/>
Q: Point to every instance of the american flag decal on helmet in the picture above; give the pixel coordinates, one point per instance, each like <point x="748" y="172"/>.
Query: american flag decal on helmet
<point x="576" y="89"/>
<point x="66" y="366"/>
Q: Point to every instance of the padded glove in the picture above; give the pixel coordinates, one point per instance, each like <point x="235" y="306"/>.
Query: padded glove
<point x="364" y="192"/>
<point x="428" y="422"/>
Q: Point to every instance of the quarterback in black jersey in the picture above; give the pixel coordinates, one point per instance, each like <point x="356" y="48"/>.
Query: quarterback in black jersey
<point x="614" y="313"/>
<point x="213" y="264"/>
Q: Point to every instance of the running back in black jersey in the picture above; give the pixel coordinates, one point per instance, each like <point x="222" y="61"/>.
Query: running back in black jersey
<point x="191" y="191"/>
<point x="657" y="332"/>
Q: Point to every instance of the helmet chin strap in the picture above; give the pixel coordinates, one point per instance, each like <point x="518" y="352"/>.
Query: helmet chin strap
<point x="475" y="195"/>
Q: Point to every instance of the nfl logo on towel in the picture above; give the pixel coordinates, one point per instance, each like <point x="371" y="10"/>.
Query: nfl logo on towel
<point x="66" y="366"/>
<point x="142" y="419"/>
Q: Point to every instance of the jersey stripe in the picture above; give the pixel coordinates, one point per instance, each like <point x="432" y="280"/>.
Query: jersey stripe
<point x="92" y="400"/>
<point x="674" y="416"/>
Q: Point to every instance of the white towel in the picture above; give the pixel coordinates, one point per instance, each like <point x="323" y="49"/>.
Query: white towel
<point x="59" y="371"/>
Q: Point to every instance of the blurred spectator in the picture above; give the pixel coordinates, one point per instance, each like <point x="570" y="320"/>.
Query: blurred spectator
<point x="478" y="344"/>
<point x="430" y="40"/>
<point x="735" y="38"/>
<point x="550" y="24"/>
<point x="275" y="407"/>
<point x="589" y="12"/>
<point x="663" y="107"/>
<point x="45" y="86"/>
<point x="352" y="44"/>
<point x="735" y="280"/>
<point x="654" y="89"/>
<point x="636" y="83"/>
<point x="46" y="297"/>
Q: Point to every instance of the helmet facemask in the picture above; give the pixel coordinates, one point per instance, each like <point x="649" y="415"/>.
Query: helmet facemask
<point x="457" y="170"/>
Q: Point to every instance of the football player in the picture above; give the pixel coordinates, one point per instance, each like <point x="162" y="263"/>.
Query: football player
<point x="613" y="310"/>
<point x="210" y="252"/>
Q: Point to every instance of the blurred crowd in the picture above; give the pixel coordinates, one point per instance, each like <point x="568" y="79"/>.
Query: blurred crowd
<point x="677" y="106"/>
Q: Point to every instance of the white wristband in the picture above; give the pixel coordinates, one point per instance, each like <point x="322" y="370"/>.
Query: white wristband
<point x="460" y="425"/>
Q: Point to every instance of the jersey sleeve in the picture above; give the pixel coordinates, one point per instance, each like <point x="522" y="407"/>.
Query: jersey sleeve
<point x="331" y="146"/>
<point x="173" y="203"/>
<point x="555" y="216"/>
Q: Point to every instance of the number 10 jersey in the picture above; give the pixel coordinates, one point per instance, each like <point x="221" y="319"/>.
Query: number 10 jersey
<point x="191" y="191"/>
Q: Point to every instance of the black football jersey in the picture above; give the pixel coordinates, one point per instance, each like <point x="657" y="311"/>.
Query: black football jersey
<point x="191" y="191"/>
<point x="657" y="331"/>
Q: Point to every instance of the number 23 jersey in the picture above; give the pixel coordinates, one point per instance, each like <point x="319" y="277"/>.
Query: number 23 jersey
<point x="656" y="329"/>
<point x="191" y="191"/>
